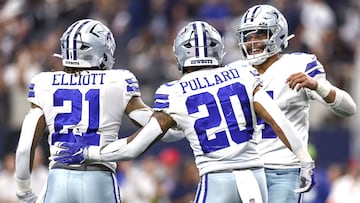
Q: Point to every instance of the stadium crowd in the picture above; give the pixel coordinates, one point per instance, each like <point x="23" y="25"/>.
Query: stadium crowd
<point x="144" y="31"/>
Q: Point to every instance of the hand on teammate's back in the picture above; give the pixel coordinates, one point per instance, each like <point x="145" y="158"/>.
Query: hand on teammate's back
<point x="71" y="152"/>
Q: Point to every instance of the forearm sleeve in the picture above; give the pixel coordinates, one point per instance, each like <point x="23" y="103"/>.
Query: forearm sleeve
<point x="173" y="136"/>
<point x="344" y="105"/>
<point x="121" y="150"/>
<point x="23" y="152"/>
<point x="141" y="116"/>
<point x="297" y="144"/>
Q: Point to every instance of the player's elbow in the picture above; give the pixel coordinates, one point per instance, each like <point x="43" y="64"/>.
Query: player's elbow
<point x="347" y="112"/>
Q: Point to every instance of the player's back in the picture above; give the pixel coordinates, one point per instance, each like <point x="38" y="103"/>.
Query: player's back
<point x="214" y="108"/>
<point x="86" y="105"/>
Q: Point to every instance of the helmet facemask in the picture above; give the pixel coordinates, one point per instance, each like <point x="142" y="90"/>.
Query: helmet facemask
<point x="262" y="33"/>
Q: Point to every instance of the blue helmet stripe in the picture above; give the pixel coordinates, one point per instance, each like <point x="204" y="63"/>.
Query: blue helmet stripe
<point x="204" y="35"/>
<point x="75" y="36"/>
<point x="67" y="40"/>
<point x="196" y="40"/>
<point x="253" y="14"/>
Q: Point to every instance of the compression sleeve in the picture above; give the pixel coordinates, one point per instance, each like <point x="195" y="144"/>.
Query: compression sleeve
<point x="121" y="150"/>
<point x="22" y="170"/>
<point x="141" y="116"/>
<point x="173" y="136"/>
<point x="343" y="105"/>
<point x="297" y="144"/>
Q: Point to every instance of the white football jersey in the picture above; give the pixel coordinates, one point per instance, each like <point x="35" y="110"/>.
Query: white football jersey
<point x="295" y="105"/>
<point x="88" y="105"/>
<point x="214" y="109"/>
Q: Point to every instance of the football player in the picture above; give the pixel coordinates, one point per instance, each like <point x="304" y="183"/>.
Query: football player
<point x="293" y="81"/>
<point x="85" y="101"/>
<point x="216" y="108"/>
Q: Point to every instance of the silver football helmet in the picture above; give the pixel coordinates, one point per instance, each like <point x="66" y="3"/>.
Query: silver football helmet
<point x="198" y="44"/>
<point x="88" y="44"/>
<point x="267" y="21"/>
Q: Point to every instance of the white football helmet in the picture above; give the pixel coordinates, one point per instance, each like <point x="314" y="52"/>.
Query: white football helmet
<point x="198" y="44"/>
<point x="262" y="20"/>
<point x="88" y="44"/>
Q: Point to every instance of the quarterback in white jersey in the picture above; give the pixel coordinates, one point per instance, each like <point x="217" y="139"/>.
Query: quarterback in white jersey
<point x="216" y="108"/>
<point x="84" y="102"/>
<point x="292" y="80"/>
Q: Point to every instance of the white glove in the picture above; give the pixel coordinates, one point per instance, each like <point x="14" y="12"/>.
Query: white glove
<point x="29" y="197"/>
<point x="307" y="177"/>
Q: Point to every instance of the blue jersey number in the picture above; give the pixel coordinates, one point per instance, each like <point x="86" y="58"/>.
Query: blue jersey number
<point x="214" y="118"/>
<point x="73" y="118"/>
<point x="267" y="132"/>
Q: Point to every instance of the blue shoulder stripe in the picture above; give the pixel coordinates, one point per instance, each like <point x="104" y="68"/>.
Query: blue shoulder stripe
<point x="133" y="85"/>
<point x="161" y="101"/>
<point x="31" y="90"/>
<point x="312" y="69"/>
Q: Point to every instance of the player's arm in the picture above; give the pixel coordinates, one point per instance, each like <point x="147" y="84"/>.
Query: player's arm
<point x="138" y="112"/>
<point x="122" y="149"/>
<point x="338" y="100"/>
<point x="31" y="132"/>
<point x="139" y="142"/>
<point x="267" y="109"/>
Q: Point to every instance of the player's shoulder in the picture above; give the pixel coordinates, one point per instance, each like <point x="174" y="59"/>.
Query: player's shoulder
<point x="121" y="72"/>
<point x="243" y="67"/>
<point x="300" y="57"/>
<point x="239" y="64"/>
<point x="166" y="87"/>
<point x="43" y="77"/>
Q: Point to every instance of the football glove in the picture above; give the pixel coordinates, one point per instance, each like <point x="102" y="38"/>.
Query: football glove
<point x="307" y="177"/>
<point x="29" y="197"/>
<point x="72" y="153"/>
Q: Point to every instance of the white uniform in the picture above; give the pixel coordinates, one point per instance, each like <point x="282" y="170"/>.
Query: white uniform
<point x="214" y="108"/>
<point x="82" y="105"/>
<point x="295" y="105"/>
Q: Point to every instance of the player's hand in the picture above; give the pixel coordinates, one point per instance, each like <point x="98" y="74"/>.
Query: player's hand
<point x="71" y="153"/>
<point x="27" y="198"/>
<point x="300" y="80"/>
<point x="307" y="177"/>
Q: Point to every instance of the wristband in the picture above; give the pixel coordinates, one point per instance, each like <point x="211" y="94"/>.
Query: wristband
<point x="323" y="89"/>
<point x="92" y="153"/>
<point x="23" y="186"/>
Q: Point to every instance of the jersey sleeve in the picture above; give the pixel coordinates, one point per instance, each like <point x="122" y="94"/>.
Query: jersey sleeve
<point x="34" y="91"/>
<point x="161" y="98"/>
<point x="313" y="67"/>
<point x="132" y="85"/>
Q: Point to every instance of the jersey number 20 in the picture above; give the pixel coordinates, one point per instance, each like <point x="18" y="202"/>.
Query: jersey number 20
<point x="214" y="118"/>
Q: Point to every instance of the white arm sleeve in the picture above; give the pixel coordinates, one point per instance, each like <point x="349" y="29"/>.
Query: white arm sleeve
<point x="141" y="116"/>
<point x="297" y="144"/>
<point x="121" y="150"/>
<point x="344" y="105"/>
<point x="173" y="135"/>
<point x="22" y="169"/>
